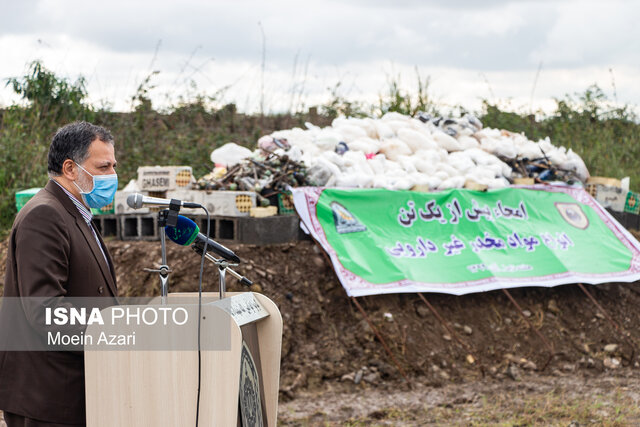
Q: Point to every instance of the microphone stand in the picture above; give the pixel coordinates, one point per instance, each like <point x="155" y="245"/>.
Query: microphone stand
<point x="164" y="270"/>
<point x="223" y="267"/>
<point x="166" y="217"/>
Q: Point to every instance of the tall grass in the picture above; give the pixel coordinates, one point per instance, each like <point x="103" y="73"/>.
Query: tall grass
<point x="607" y="138"/>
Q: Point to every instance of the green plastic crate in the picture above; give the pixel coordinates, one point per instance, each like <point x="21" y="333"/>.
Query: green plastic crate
<point x="107" y="210"/>
<point x="22" y="197"/>
<point x="632" y="203"/>
<point x="285" y="204"/>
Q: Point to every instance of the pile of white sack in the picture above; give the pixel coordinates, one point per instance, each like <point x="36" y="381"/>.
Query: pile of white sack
<point x="401" y="152"/>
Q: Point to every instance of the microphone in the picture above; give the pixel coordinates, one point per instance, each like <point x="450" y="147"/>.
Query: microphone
<point x="137" y="200"/>
<point x="187" y="232"/>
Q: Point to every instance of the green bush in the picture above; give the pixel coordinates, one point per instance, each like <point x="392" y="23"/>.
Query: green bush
<point x="25" y="131"/>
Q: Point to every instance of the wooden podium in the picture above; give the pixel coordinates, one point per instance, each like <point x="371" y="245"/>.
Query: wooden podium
<point x="159" y="387"/>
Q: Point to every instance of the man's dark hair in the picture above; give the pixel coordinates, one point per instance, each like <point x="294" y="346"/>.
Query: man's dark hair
<point x="72" y="142"/>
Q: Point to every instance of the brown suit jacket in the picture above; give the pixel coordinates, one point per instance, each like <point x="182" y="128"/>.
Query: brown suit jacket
<point x="52" y="253"/>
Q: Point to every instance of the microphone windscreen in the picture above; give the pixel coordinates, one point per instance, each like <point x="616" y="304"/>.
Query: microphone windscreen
<point x="131" y="201"/>
<point x="184" y="233"/>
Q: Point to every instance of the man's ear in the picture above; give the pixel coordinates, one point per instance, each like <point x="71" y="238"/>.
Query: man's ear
<point x="69" y="170"/>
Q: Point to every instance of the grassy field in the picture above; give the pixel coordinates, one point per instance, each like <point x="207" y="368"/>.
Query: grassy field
<point x="535" y="401"/>
<point x="554" y="408"/>
<point x="607" y="139"/>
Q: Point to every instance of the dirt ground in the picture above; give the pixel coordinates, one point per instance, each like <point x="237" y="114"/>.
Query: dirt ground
<point x="336" y="371"/>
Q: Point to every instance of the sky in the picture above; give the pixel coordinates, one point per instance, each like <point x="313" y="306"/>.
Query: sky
<point x="279" y="56"/>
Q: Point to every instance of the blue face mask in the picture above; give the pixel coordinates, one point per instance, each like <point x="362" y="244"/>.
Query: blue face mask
<point x="104" y="188"/>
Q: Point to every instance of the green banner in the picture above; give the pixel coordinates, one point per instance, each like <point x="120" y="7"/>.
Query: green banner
<point x="462" y="241"/>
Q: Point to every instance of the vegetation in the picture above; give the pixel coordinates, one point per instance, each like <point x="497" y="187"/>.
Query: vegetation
<point x="607" y="138"/>
<point x="557" y="407"/>
<point x="186" y="135"/>
<point x="25" y="131"/>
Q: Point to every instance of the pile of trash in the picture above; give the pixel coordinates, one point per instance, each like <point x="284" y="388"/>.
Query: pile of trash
<point x="396" y="152"/>
<point x="266" y="172"/>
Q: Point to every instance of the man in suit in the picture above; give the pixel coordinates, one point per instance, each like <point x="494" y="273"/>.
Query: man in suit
<point x="56" y="252"/>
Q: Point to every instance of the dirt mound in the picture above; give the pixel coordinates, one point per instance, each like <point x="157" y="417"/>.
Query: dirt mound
<point x="326" y="338"/>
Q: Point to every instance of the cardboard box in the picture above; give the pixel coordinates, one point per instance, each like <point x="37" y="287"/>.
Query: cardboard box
<point x="228" y="203"/>
<point x="192" y="196"/>
<point x="165" y="178"/>
<point x="603" y="180"/>
<point x="611" y="197"/>
<point x="264" y="212"/>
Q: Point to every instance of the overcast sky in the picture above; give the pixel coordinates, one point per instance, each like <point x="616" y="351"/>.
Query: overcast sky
<point x="470" y="50"/>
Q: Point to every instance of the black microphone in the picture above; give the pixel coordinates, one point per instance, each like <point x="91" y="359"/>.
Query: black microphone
<point x="187" y="232"/>
<point x="137" y="200"/>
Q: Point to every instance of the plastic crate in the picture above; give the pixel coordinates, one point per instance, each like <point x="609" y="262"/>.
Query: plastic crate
<point x="22" y="197"/>
<point x="107" y="210"/>
<point x="632" y="203"/>
<point x="285" y="204"/>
